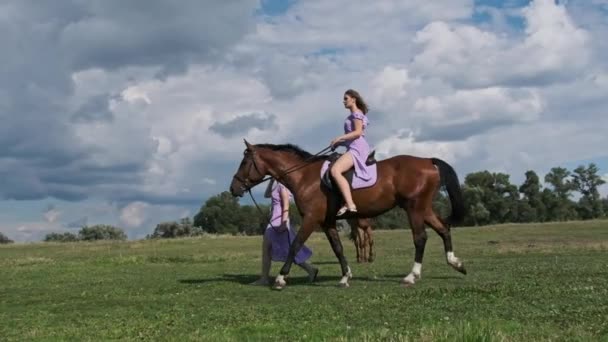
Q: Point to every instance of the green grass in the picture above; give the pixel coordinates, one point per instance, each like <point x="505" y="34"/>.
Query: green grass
<point x="524" y="282"/>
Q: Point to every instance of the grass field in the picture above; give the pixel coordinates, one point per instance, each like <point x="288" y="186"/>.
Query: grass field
<point x="524" y="282"/>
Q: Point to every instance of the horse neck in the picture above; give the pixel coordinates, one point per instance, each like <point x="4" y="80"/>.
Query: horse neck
<point x="279" y="161"/>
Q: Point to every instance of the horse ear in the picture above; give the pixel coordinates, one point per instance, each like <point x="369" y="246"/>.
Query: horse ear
<point x="249" y="146"/>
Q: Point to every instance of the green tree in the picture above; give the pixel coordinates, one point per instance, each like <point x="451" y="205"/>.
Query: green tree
<point x="525" y="212"/>
<point x="587" y="181"/>
<point x="220" y="214"/>
<point x="559" y="205"/>
<point x="533" y="209"/>
<point x="492" y="193"/>
<point x="478" y="214"/>
<point x="4" y="239"/>
<point x="101" y="232"/>
<point x="251" y="221"/>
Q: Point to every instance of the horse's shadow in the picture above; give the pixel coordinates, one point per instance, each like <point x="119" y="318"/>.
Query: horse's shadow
<point x="246" y="279"/>
<point x="438" y="277"/>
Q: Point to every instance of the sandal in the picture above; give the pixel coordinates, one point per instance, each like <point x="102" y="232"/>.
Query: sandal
<point x="344" y="209"/>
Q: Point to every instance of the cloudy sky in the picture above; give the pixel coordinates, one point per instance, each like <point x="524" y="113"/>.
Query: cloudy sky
<point x="133" y="113"/>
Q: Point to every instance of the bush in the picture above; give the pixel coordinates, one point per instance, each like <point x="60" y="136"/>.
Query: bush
<point x="61" y="237"/>
<point x="101" y="232"/>
<point x="4" y="239"/>
<point x="173" y="229"/>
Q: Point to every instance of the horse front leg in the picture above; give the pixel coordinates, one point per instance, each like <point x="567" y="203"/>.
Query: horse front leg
<point x="303" y="234"/>
<point x="334" y="239"/>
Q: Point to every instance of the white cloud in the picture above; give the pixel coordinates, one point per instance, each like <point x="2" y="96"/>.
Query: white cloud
<point x="553" y="49"/>
<point x="51" y="215"/>
<point x="390" y="85"/>
<point x="134" y="214"/>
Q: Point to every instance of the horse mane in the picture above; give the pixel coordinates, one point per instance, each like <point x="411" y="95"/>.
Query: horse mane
<point x="294" y="149"/>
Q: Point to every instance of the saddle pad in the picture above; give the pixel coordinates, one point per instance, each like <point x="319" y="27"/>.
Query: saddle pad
<point x="356" y="183"/>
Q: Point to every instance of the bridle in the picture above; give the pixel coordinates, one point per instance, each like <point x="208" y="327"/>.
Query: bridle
<point x="246" y="184"/>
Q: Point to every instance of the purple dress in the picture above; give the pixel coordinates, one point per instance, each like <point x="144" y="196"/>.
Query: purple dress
<point x="359" y="148"/>
<point x="278" y="239"/>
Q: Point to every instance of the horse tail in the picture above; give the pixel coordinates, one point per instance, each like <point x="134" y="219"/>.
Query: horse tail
<point x="449" y="179"/>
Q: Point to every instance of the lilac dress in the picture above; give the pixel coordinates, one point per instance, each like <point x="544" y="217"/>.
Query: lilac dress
<point x="359" y="148"/>
<point x="278" y="239"/>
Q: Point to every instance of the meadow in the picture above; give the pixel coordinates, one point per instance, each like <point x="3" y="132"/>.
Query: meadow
<point x="524" y="282"/>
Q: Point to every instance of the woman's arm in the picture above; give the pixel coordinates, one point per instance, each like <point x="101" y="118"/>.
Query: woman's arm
<point x="284" y="205"/>
<point x="357" y="132"/>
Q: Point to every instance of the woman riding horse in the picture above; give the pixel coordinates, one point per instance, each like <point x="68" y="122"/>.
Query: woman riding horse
<point x="406" y="181"/>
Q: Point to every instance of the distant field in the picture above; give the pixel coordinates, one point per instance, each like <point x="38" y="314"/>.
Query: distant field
<point x="524" y="282"/>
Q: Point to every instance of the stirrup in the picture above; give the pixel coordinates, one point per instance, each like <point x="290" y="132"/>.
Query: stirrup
<point x="344" y="209"/>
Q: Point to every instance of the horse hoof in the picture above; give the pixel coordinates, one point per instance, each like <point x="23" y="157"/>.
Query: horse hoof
<point x="343" y="285"/>
<point x="461" y="269"/>
<point x="407" y="282"/>
<point x="279" y="284"/>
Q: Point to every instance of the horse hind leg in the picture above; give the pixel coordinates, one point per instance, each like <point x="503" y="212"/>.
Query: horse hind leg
<point x="366" y="230"/>
<point x="362" y="246"/>
<point x="444" y="232"/>
<point x="370" y="244"/>
<point x="357" y="236"/>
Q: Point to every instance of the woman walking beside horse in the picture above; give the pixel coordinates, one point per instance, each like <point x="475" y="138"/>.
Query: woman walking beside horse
<point x="279" y="235"/>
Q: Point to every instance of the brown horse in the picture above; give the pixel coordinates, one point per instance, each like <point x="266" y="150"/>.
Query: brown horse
<point x="405" y="181"/>
<point x="362" y="235"/>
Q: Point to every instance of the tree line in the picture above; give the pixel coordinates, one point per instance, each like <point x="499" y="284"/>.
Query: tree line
<point x="490" y="198"/>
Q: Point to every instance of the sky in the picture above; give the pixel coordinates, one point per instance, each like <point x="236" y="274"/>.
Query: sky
<point x="134" y="113"/>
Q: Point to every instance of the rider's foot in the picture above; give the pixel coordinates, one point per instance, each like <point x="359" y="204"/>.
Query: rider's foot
<point x="344" y="209"/>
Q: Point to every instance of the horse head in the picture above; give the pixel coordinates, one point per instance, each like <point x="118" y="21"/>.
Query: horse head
<point x="251" y="171"/>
